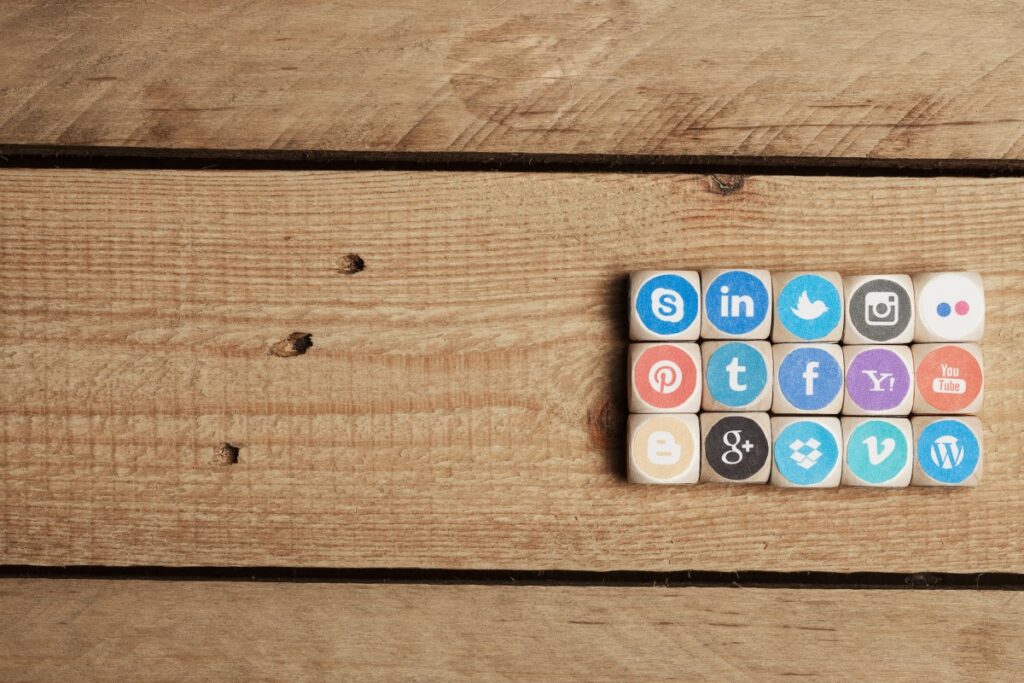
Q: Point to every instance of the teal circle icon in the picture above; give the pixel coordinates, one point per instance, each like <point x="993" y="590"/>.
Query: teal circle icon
<point x="948" y="451"/>
<point x="806" y="453"/>
<point x="809" y="306"/>
<point x="877" y="451"/>
<point x="737" y="374"/>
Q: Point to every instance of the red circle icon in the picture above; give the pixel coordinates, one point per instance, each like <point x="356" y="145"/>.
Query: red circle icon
<point x="665" y="376"/>
<point x="949" y="378"/>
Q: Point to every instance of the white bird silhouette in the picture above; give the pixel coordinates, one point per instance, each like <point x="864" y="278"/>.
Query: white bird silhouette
<point x="806" y="309"/>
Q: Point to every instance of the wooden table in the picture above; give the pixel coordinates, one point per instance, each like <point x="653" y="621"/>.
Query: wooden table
<point x="445" y="201"/>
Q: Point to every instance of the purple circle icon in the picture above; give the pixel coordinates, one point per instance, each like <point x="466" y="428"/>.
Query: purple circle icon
<point x="877" y="380"/>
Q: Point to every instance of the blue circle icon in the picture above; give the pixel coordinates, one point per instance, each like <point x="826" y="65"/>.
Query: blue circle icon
<point x="948" y="451"/>
<point x="736" y="302"/>
<point x="736" y="374"/>
<point x="809" y="306"/>
<point x="806" y="452"/>
<point x="810" y="378"/>
<point x="667" y="304"/>
<point x="877" y="451"/>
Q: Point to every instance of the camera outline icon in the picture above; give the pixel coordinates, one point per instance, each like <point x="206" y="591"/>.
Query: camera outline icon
<point x="881" y="309"/>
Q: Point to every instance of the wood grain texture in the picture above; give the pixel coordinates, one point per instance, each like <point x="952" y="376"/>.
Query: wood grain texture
<point x="150" y="631"/>
<point x="794" y="78"/>
<point x="462" y="402"/>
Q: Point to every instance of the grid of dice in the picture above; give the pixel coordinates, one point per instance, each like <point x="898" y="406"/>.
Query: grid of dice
<point x="805" y="379"/>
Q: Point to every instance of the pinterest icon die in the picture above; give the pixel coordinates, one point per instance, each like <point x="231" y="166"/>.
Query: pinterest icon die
<point x="664" y="378"/>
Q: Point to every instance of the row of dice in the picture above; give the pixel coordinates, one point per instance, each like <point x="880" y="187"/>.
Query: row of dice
<point x="753" y="448"/>
<point x="808" y="307"/>
<point x="822" y="379"/>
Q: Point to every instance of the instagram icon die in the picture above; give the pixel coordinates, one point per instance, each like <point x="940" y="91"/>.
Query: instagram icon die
<point x="879" y="309"/>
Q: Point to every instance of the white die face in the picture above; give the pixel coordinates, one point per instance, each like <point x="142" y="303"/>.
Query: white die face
<point x="664" y="449"/>
<point x="951" y="307"/>
<point x="664" y="305"/>
<point x="879" y="452"/>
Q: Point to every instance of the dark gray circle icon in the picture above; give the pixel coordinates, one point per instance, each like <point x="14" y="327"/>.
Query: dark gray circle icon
<point x="880" y="310"/>
<point x="736" y="448"/>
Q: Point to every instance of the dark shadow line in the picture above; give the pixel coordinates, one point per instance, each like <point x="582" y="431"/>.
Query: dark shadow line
<point x="678" y="579"/>
<point x="77" y="156"/>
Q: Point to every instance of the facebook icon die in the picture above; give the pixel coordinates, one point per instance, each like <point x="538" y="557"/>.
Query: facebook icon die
<point x="737" y="375"/>
<point x="664" y="305"/>
<point x="808" y="379"/>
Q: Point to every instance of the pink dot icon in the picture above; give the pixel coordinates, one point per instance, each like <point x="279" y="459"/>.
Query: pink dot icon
<point x="962" y="307"/>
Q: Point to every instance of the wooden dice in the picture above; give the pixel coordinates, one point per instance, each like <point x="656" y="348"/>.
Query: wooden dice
<point x="950" y="307"/>
<point x="664" y="378"/>
<point x="736" y="448"/>
<point x="879" y="380"/>
<point x="738" y="375"/>
<point x="664" y="305"/>
<point x="878" y="451"/>
<point x="839" y="346"/>
<point x="664" y="449"/>
<point x="879" y="309"/>
<point x="808" y="379"/>
<point x="949" y="451"/>
<point x="737" y="304"/>
<point x="807" y="452"/>
<point x="809" y="307"/>
<point x="949" y="379"/>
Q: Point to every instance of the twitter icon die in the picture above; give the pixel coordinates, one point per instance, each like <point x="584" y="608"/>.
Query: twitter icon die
<point x="808" y="307"/>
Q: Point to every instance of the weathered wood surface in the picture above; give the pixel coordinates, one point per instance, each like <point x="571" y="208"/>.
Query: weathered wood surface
<point x="859" y="79"/>
<point x="150" y="631"/>
<point x="462" y="403"/>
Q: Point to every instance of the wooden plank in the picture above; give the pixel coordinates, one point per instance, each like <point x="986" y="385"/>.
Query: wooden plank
<point x="141" y="631"/>
<point x="859" y="79"/>
<point x="462" y="403"/>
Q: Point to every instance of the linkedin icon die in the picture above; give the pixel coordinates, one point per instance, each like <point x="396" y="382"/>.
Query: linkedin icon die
<point x="664" y="305"/>
<point x="737" y="304"/>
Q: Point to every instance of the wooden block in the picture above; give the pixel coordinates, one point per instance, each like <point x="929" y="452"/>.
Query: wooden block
<point x="664" y="305"/>
<point x="949" y="379"/>
<point x="737" y="304"/>
<point x="664" y="378"/>
<point x="808" y="307"/>
<point x="949" y="451"/>
<point x="664" y="449"/>
<point x="738" y="375"/>
<point x="736" y="448"/>
<point x="878" y="451"/>
<point x="808" y="379"/>
<point x="807" y="452"/>
<point x="879" y="309"/>
<point x="950" y="307"/>
<point x="879" y="380"/>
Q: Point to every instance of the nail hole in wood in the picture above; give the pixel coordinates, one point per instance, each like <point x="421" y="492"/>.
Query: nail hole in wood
<point x="350" y="264"/>
<point x="227" y="454"/>
<point x="296" y="344"/>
